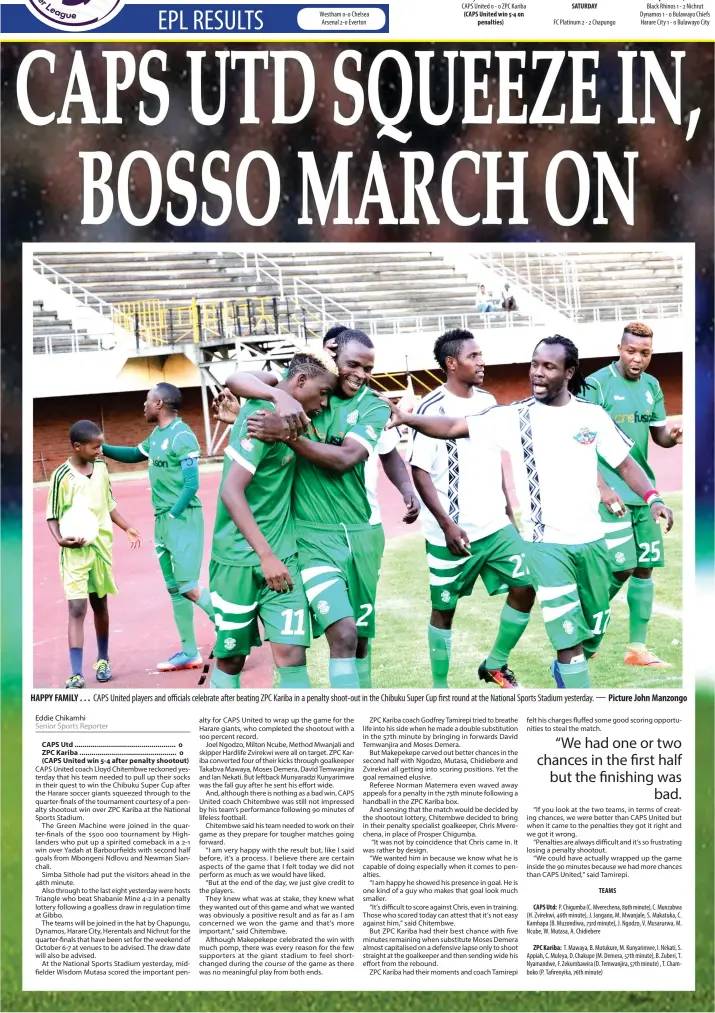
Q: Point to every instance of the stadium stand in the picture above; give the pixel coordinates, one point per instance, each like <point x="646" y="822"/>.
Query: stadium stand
<point x="590" y="286"/>
<point x="189" y="315"/>
<point x="51" y="334"/>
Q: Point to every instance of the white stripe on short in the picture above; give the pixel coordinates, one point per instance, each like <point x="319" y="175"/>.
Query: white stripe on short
<point x="226" y="624"/>
<point x="611" y="543"/>
<point x="317" y="571"/>
<point x="549" y="593"/>
<point x="550" y="613"/>
<point x="611" y="526"/>
<point x="228" y="606"/>
<point x="313" y="592"/>
<point x="437" y="581"/>
<point x="445" y="564"/>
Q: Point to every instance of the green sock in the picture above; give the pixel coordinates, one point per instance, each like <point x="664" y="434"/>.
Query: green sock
<point x="364" y="668"/>
<point x="184" y="619"/>
<point x="204" y="603"/>
<point x="440" y="651"/>
<point x="575" y="675"/>
<point x="614" y="588"/>
<point x="295" y="677"/>
<point x="640" y="605"/>
<point x="343" y="673"/>
<point x="511" y="626"/>
<point x="222" y="680"/>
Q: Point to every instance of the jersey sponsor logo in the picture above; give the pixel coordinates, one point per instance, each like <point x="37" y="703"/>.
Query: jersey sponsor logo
<point x="585" y="436"/>
<point x="335" y="441"/>
<point x="646" y="417"/>
<point x="323" y="607"/>
<point x="155" y="463"/>
<point x="247" y="444"/>
<point x="352" y="418"/>
<point x="568" y="626"/>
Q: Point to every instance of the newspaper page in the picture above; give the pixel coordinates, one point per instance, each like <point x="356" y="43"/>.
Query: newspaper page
<point x="358" y="507"/>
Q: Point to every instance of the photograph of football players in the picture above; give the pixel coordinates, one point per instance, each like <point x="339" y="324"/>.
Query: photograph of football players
<point x="254" y="573"/>
<point x="554" y="440"/>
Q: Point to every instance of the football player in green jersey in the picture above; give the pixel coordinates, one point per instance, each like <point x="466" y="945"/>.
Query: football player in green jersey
<point x="634" y="400"/>
<point x="173" y="453"/>
<point x="337" y="551"/>
<point x="254" y="569"/>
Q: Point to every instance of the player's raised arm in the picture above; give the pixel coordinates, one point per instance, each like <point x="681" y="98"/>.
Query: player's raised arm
<point x="125" y="455"/>
<point x="233" y="497"/>
<point x="438" y="427"/>
<point x="262" y="386"/>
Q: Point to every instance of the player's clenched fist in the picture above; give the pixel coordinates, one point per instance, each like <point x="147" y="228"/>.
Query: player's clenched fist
<point x="276" y="573"/>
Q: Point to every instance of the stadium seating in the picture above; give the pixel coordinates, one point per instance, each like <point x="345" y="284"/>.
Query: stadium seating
<point x="594" y="285"/>
<point x="388" y="290"/>
<point x="50" y="334"/>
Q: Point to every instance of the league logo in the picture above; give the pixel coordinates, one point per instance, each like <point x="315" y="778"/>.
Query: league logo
<point x="75" y="15"/>
<point x="585" y="436"/>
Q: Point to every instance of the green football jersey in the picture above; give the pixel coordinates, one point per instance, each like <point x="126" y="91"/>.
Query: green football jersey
<point x="635" y="406"/>
<point x="326" y="497"/>
<point x="166" y="448"/>
<point x="268" y="494"/>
